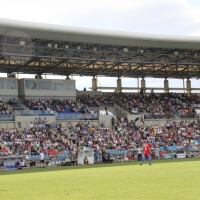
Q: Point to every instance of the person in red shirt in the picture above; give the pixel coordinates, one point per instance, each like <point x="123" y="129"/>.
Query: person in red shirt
<point x="147" y="153"/>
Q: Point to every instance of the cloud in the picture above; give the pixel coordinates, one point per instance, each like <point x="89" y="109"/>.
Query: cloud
<point x="150" y="16"/>
<point x="196" y="33"/>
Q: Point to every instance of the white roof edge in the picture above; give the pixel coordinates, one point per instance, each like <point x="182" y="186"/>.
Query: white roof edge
<point x="78" y="34"/>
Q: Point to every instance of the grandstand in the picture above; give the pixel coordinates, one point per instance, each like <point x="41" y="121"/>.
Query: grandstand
<point x="51" y="115"/>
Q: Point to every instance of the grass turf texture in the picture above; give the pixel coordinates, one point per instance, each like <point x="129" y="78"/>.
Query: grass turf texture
<point x="164" y="179"/>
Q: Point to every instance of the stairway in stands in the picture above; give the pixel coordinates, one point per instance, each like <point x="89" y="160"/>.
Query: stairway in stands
<point x="119" y="111"/>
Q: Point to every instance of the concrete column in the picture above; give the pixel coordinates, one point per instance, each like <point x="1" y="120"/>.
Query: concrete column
<point x="119" y="85"/>
<point x="67" y="78"/>
<point x="138" y="84"/>
<point x="94" y="84"/>
<point x="143" y="85"/>
<point x="38" y="76"/>
<point x="188" y="86"/>
<point x="166" y="86"/>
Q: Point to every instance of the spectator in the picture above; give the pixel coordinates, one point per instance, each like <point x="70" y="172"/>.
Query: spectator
<point x="18" y="165"/>
<point x="41" y="159"/>
<point x="95" y="157"/>
<point x="32" y="163"/>
<point x="104" y="158"/>
<point x="110" y="160"/>
<point x="74" y="160"/>
<point x="23" y="164"/>
<point x="67" y="162"/>
<point x="86" y="162"/>
<point x="120" y="158"/>
<point x="2" y="165"/>
<point x="161" y="154"/>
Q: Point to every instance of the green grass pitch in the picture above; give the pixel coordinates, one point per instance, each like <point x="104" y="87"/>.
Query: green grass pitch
<point x="164" y="179"/>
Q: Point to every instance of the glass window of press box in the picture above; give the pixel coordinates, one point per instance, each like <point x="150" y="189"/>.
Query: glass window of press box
<point x="49" y="85"/>
<point x="6" y="84"/>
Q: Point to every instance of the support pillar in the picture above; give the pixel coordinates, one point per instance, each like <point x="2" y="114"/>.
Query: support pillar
<point x="188" y="86"/>
<point x="143" y="85"/>
<point x="67" y="78"/>
<point x="138" y="84"/>
<point x="119" y="85"/>
<point x="166" y="86"/>
<point x="94" y="84"/>
<point x="38" y="76"/>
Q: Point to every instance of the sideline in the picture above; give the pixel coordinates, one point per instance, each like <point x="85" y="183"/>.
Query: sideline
<point x="116" y="164"/>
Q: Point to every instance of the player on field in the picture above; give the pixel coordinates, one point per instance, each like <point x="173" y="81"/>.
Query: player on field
<point x="147" y="153"/>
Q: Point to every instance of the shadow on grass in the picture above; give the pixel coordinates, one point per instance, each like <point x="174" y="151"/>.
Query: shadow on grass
<point x="117" y="164"/>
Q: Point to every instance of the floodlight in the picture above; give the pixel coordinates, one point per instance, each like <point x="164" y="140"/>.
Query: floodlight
<point x="78" y="47"/>
<point x="49" y="45"/>
<point x="126" y="49"/>
<point x="66" y="46"/>
<point x="95" y="48"/>
<point x="22" y="42"/>
<point x="141" y="50"/>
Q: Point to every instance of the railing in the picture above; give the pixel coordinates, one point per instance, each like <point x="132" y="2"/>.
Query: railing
<point x="33" y="113"/>
<point x="7" y="117"/>
<point x="77" y="116"/>
<point x="169" y="116"/>
<point x="70" y="115"/>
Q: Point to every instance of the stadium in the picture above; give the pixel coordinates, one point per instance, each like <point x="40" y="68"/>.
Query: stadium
<point x="88" y="140"/>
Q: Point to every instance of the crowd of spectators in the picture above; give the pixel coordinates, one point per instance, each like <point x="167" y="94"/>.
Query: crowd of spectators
<point x="97" y="100"/>
<point x="56" y="105"/>
<point x="164" y="105"/>
<point x="39" y="137"/>
<point x="152" y="106"/>
<point x="4" y="109"/>
<point x="122" y="135"/>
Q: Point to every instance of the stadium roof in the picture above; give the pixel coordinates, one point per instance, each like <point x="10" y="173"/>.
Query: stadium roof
<point x="76" y="34"/>
<point x="36" y="48"/>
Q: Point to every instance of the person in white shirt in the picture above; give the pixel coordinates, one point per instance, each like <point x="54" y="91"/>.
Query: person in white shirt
<point x="42" y="159"/>
<point x="31" y="125"/>
<point x="139" y="155"/>
<point x="23" y="164"/>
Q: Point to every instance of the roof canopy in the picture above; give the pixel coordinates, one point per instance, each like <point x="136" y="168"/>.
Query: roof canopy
<point x="35" y="48"/>
<point x="87" y="35"/>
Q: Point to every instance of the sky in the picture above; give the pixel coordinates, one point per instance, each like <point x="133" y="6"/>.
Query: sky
<point x="170" y="17"/>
